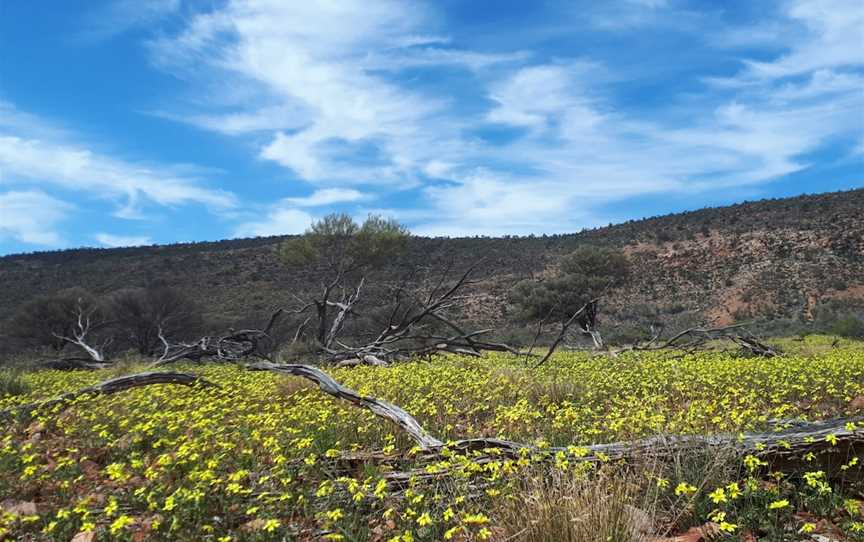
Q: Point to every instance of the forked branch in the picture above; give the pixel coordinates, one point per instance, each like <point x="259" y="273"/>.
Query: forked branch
<point x="586" y="318"/>
<point x="84" y="324"/>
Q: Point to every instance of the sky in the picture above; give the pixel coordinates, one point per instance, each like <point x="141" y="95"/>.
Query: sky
<point x="132" y="122"/>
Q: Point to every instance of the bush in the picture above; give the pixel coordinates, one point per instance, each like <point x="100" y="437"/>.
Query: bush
<point x="12" y="384"/>
<point x="850" y="327"/>
<point x="585" y="273"/>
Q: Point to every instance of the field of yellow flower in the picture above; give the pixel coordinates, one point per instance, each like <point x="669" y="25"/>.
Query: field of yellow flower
<point x="269" y="457"/>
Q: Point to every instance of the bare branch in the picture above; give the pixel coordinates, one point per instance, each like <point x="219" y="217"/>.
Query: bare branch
<point x="83" y="326"/>
<point x="585" y="317"/>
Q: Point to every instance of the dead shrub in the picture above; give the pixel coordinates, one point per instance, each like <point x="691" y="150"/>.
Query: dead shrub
<point x="560" y="507"/>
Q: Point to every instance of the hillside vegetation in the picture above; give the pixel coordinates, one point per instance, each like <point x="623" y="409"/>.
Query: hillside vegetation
<point x="795" y="259"/>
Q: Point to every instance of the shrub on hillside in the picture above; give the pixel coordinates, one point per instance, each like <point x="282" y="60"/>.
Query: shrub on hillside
<point x="850" y="327"/>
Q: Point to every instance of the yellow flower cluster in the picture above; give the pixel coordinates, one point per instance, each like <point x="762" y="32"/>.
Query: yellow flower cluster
<point x="266" y="456"/>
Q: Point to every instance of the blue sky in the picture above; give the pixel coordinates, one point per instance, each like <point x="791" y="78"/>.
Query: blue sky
<point x="135" y="122"/>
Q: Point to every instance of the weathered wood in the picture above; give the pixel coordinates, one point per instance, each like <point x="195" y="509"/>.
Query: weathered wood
<point x="780" y="445"/>
<point x="378" y="407"/>
<point x="232" y="346"/>
<point x="784" y="450"/>
<point x="110" y="386"/>
<point x="83" y="326"/>
<point x="368" y="359"/>
<point x="696" y="338"/>
<point x="802" y="438"/>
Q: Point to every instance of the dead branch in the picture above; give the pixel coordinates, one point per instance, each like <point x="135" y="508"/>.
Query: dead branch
<point x="409" y="329"/>
<point x="233" y="346"/>
<point x="586" y="317"/>
<point x="697" y="338"/>
<point x="344" y="307"/>
<point x="113" y="385"/>
<point x="778" y="448"/>
<point x="84" y="324"/>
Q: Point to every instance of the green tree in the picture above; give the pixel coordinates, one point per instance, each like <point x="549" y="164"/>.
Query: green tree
<point x="342" y="253"/>
<point x="583" y="275"/>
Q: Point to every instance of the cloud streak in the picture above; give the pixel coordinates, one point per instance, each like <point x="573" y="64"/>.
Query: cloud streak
<point x="336" y="105"/>
<point x="32" y="216"/>
<point x="111" y="240"/>
<point x="32" y="153"/>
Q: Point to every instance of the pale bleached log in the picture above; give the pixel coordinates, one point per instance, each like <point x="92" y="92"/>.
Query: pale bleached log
<point x="378" y="407"/>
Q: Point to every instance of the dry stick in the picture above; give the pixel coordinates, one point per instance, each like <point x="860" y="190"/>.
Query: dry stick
<point x="540" y="325"/>
<point x="114" y="385"/>
<point x="564" y="329"/>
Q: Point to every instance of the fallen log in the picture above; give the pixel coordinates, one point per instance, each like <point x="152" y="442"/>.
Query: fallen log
<point x="784" y="451"/>
<point x="378" y="407"/>
<point x="838" y="436"/>
<point x="110" y="386"/>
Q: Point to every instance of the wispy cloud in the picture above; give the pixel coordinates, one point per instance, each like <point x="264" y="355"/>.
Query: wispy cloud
<point x="336" y="113"/>
<point x="111" y="240"/>
<point x="32" y="217"/>
<point x="335" y="102"/>
<point x="327" y="196"/>
<point x="829" y="35"/>
<point x="33" y="153"/>
<point x="279" y="220"/>
<point x="118" y="16"/>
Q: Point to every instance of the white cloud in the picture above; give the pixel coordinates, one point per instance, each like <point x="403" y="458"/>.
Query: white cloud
<point x="486" y="204"/>
<point x="284" y="217"/>
<point x="328" y="105"/>
<point x="536" y="97"/>
<point x="278" y="221"/>
<point x="320" y="67"/>
<point x="110" y="240"/>
<point x="431" y="56"/>
<point x="31" y="217"/>
<point x="327" y="196"/>
<point x="829" y="36"/>
<point x="32" y="153"/>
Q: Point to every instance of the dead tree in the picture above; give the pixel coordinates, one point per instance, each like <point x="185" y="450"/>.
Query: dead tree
<point x="697" y="338"/>
<point x="418" y="321"/>
<point x="86" y="321"/>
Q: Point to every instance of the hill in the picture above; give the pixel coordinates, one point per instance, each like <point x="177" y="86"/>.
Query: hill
<point x="792" y="260"/>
